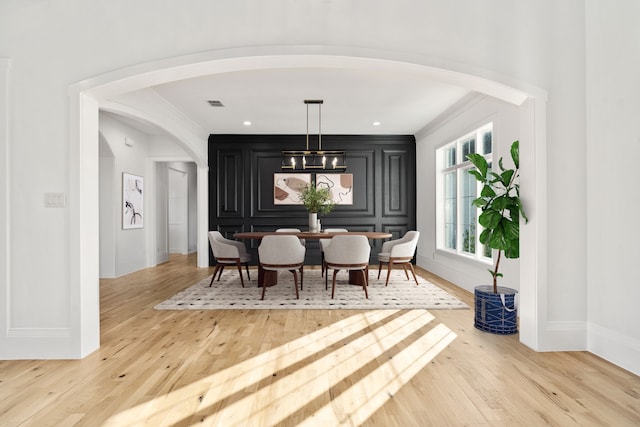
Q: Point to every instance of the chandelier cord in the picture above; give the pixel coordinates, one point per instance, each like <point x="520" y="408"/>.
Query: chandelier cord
<point x="319" y="127"/>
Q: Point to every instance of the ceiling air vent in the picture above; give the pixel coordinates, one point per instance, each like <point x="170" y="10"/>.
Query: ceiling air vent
<point x="215" y="103"/>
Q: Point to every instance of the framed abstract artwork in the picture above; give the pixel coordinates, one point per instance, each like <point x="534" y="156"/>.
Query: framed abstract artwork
<point x="340" y="186"/>
<point x="132" y="201"/>
<point x="287" y="187"/>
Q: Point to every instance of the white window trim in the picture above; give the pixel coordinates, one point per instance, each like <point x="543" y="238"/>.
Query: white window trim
<point x="460" y="167"/>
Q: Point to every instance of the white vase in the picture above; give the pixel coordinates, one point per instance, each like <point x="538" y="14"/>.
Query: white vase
<point x="313" y="221"/>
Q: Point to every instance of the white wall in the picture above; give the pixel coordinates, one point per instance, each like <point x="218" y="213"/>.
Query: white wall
<point x="463" y="118"/>
<point x="529" y="43"/>
<point x="5" y="105"/>
<point x="192" y="176"/>
<point x="129" y="247"/>
<point x="130" y="244"/>
<point x="178" y="211"/>
<point x="109" y="207"/>
<point x="613" y="201"/>
<point x="161" y="212"/>
<point x="187" y="241"/>
<point x="162" y="149"/>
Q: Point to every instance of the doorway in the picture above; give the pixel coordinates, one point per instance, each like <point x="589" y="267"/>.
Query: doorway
<point x="178" y="208"/>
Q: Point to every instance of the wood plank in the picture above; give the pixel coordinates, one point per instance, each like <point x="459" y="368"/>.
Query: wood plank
<point x="375" y="368"/>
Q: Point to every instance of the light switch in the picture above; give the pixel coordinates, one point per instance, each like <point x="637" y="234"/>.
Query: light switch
<point x="54" y="200"/>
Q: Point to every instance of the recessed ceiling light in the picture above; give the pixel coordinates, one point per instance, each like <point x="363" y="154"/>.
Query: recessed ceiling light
<point x="376" y="123"/>
<point x="246" y="123"/>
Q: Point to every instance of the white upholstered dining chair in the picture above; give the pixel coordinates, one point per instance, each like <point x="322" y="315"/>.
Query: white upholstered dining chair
<point x="282" y="253"/>
<point x="348" y="252"/>
<point x="399" y="252"/>
<point x="324" y="243"/>
<point x="290" y="230"/>
<point x="228" y="252"/>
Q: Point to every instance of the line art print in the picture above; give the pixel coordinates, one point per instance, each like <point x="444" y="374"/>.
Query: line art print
<point x="287" y="187"/>
<point x="132" y="201"/>
<point x="340" y="186"/>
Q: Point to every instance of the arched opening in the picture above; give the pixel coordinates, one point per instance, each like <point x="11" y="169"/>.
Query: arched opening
<point x="85" y="104"/>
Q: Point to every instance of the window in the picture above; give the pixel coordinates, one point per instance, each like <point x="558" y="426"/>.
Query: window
<point x="457" y="224"/>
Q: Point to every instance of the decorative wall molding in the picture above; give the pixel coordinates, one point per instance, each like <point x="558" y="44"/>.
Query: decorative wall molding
<point x="241" y="187"/>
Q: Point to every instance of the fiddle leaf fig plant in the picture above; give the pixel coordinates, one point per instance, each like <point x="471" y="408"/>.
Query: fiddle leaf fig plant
<point x="316" y="199"/>
<point x="500" y="206"/>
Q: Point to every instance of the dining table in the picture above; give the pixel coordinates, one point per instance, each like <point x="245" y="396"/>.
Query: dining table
<point x="270" y="278"/>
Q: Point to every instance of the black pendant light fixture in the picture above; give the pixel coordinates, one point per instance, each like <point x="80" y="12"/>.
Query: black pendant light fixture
<point x="310" y="160"/>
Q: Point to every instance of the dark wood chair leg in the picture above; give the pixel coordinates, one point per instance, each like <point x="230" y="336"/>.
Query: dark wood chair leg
<point x="240" y="271"/>
<point x="389" y="272"/>
<point x="214" y="274"/>
<point x="246" y="264"/>
<point x="220" y="271"/>
<point x="301" y="276"/>
<point x="404" y="267"/>
<point x="264" y="287"/>
<point x="413" y="271"/>
<point x="364" y="283"/>
<point x="295" y="282"/>
<point x="379" y="268"/>
<point x="333" y="287"/>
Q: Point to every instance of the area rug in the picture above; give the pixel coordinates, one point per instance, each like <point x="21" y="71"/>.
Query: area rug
<point x="228" y="293"/>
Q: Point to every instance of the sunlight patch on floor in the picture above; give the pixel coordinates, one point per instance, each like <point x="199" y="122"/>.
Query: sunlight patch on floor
<point x="313" y="374"/>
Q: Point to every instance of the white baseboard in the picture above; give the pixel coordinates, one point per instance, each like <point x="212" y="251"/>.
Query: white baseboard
<point x="564" y="336"/>
<point x="38" y="332"/>
<point x="38" y="344"/>
<point x="619" y="349"/>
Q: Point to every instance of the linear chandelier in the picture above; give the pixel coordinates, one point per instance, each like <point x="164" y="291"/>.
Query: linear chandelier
<point x="314" y="159"/>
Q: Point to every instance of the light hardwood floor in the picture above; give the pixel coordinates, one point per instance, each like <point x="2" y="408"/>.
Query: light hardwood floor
<point x="306" y="367"/>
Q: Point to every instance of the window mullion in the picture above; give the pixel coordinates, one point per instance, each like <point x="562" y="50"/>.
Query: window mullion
<point x="459" y="207"/>
<point x="479" y="246"/>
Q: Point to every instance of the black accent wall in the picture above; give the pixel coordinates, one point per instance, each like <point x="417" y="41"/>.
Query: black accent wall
<point x="241" y="187"/>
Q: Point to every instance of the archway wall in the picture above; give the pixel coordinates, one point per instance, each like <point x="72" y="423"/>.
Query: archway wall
<point x="516" y="46"/>
<point x="107" y="206"/>
<point x="469" y="114"/>
<point x="147" y="106"/>
<point x="130" y="245"/>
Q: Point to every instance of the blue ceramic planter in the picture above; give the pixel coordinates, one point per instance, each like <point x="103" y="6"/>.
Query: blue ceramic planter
<point x="496" y="313"/>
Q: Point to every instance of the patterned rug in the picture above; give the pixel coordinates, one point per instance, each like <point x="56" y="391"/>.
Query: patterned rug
<point x="229" y="294"/>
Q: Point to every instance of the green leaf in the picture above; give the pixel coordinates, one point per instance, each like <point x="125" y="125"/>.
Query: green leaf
<point x="498" y="240"/>
<point x="476" y="174"/>
<point x="495" y="178"/>
<point x="489" y="218"/>
<point x="479" y="202"/>
<point x="522" y="211"/>
<point x="479" y="162"/>
<point x="515" y="153"/>
<point x="500" y="203"/>
<point x="506" y="176"/>
<point x="511" y="229"/>
<point x="487" y="191"/>
<point x="513" y="250"/>
<point x="485" y="236"/>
